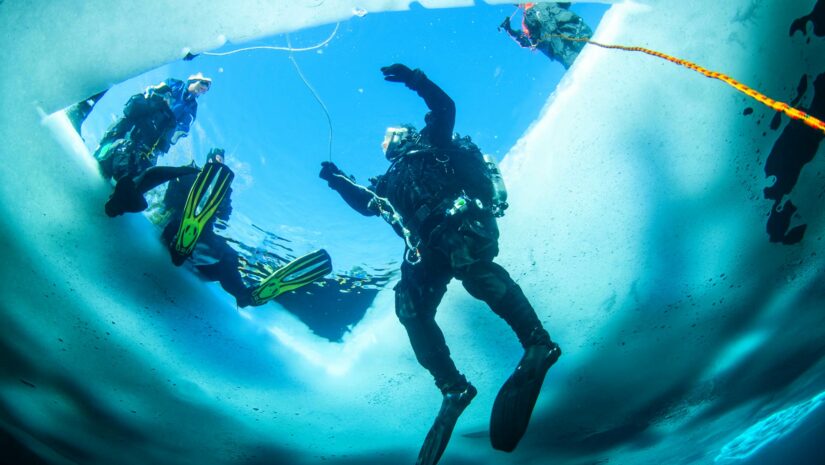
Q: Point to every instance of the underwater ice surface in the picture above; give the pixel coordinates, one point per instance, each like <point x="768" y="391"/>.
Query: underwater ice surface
<point x="687" y="296"/>
<point x="765" y="432"/>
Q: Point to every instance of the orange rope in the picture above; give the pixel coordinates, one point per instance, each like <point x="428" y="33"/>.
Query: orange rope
<point x="776" y="105"/>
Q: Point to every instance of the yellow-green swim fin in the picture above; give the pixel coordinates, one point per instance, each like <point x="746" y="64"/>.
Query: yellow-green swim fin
<point x="203" y="201"/>
<point x="297" y="273"/>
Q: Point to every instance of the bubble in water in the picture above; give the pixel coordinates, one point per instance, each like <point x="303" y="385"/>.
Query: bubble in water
<point x="360" y="12"/>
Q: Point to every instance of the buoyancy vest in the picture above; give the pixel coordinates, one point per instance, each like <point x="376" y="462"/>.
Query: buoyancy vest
<point x="425" y="181"/>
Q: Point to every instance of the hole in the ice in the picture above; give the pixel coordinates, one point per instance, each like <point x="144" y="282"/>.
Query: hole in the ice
<point x="271" y="119"/>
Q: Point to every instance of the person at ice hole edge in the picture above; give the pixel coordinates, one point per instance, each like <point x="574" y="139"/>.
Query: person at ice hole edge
<point x="442" y="196"/>
<point x="151" y="123"/>
<point x="541" y="26"/>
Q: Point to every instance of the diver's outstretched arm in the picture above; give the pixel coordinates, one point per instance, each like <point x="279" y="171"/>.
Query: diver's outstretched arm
<point x="519" y="36"/>
<point x="441" y="118"/>
<point x="354" y="195"/>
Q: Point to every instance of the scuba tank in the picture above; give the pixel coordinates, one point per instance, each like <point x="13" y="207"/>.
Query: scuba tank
<point x="499" y="189"/>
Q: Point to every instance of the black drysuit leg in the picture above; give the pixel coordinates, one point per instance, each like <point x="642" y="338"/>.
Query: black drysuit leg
<point x="490" y="283"/>
<point x="157" y="175"/>
<point x="226" y="273"/>
<point x="417" y="296"/>
<point x="129" y="190"/>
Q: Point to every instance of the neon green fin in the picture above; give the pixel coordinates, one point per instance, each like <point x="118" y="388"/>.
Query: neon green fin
<point x="203" y="201"/>
<point x="297" y="273"/>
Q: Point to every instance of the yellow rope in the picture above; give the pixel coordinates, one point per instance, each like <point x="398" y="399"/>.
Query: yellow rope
<point x="148" y="155"/>
<point x="776" y="105"/>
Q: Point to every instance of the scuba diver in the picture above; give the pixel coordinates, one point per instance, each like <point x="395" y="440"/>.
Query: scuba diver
<point x="443" y="196"/>
<point x="193" y="204"/>
<point x="541" y="25"/>
<point x="152" y="122"/>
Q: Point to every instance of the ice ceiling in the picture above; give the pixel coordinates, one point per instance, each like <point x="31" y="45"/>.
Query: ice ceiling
<point x="688" y="298"/>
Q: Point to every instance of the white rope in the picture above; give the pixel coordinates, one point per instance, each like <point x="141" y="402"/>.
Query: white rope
<point x="314" y="94"/>
<point x="272" y="47"/>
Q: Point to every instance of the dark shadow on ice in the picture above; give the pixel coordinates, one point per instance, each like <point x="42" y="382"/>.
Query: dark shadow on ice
<point x="817" y="16"/>
<point x="795" y="147"/>
<point x="16" y="453"/>
<point x="330" y="308"/>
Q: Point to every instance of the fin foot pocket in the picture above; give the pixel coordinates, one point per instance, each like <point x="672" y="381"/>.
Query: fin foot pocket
<point x="439" y="435"/>
<point x="125" y="198"/>
<point x="514" y="403"/>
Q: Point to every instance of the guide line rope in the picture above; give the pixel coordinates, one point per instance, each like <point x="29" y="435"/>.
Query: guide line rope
<point x="754" y="94"/>
<point x="314" y="93"/>
<point x="289" y="48"/>
<point x="272" y="47"/>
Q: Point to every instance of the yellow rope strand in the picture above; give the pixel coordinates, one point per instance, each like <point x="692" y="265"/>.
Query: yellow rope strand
<point x="776" y="105"/>
<point x="148" y="154"/>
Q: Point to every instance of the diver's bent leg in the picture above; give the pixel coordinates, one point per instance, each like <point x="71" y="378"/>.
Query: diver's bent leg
<point x="490" y="283"/>
<point x="230" y="277"/>
<point x="157" y="175"/>
<point x="415" y="309"/>
<point x="226" y="270"/>
<point x="416" y="298"/>
<point x="125" y="198"/>
<point x="515" y="401"/>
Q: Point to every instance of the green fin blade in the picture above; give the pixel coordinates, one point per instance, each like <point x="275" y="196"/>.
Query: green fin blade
<point x="297" y="273"/>
<point x="205" y="196"/>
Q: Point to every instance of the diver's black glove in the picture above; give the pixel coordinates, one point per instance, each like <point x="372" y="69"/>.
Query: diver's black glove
<point x="397" y="73"/>
<point x="505" y="24"/>
<point x="328" y="171"/>
<point x="402" y="73"/>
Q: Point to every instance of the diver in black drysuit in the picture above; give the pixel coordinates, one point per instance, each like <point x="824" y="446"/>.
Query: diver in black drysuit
<point x="214" y="258"/>
<point x="430" y="172"/>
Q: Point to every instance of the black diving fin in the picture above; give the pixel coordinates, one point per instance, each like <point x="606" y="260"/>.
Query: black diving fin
<point x="125" y="198"/>
<point x="515" y="401"/>
<point x="297" y="273"/>
<point x="452" y="406"/>
<point x="203" y="201"/>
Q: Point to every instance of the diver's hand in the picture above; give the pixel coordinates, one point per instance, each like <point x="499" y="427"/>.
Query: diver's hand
<point x="397" y="73"/>
<point x="412" y="78"/>
<point x="328" y="171"/>
<point x="505" y="24"/>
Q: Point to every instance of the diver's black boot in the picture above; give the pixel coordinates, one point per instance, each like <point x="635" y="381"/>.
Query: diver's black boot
<point x="516" y="399"/>
<point x="436" y="441"/>
<point x="125" y="198"/>
<point x="244" y="298"/>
